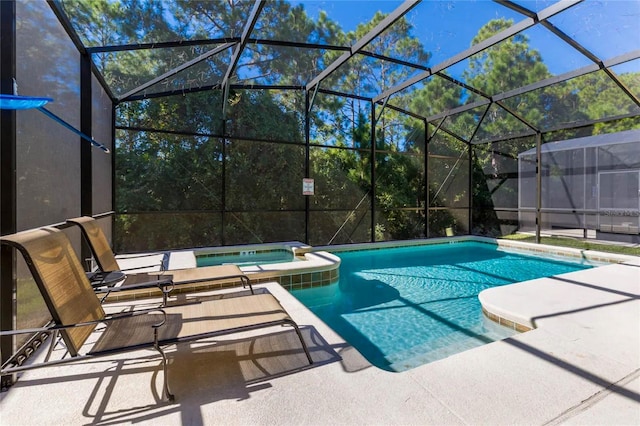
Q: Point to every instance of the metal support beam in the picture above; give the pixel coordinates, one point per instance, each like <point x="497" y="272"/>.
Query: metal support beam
<point x="478" y="104"/>
<point x="223" y="183"/>
<point x="313" y="99"/>
<point x="225" y="100"/>
<point x="307" y="162"/>
<point x="86" y="162"/>
<point x="404" y="111"/>
<point x="455" y="136"/>
<point x="86" y="170"/>
<point x="538" y="185"/>
<point x="516" y="7"/>
<point x="538" y="85"/>
<point x="114" y="109"/>
<point x="473" y="135"/>
<point x="161" y="45"/>
<point x="485" y="44"/>
<point x="437" y="128"/>
<point x="405" y="64"/>
<point x="475" y="131"/>
<point x="449" y="132"/>
<point x="8" y="181"/>
<point x="427" y="139"/>
<point x="209" y="87"/>
<point x="583" y="50"/>
<point x="208" y="41"/>
<point x="360" y="44"/>
<point x="373" y="172"/>
<point x="175" y="71"/>
<point x="630" y="56"/>
<point x="622" y="86"/>
<point x="235" y="58"/>
<point x="517" y="116"/>
<point x="346" y="95"/>
<point x="384" y="105"/>
<point x="546" y="82"/>
<point x="463" y="85"/>
<point x="470" y="183"/>
<point x="458" y="110"/>
<point x="58" y="10"/>
<point x="248" y="28"/>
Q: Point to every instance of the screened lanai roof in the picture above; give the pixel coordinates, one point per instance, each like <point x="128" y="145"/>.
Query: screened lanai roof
<point x="624" y="137"/>
<point x="444" y="61"/>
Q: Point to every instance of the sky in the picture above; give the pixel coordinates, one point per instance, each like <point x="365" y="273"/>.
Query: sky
<point x="607" y="28"/>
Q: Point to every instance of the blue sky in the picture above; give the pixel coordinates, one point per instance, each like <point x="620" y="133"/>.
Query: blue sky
<point x="607" y="28"/>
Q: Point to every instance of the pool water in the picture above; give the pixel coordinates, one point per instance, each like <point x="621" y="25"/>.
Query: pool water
<point x="404" y="307"/>
<point x="249" y="258"/>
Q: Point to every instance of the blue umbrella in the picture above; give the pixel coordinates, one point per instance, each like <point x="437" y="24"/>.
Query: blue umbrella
<point x="30" y="102"/>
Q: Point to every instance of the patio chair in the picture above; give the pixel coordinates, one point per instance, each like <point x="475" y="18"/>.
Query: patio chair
<point x="100" y="248"/>
<point x="76" y="311"/>
<point x="110" y="274"/>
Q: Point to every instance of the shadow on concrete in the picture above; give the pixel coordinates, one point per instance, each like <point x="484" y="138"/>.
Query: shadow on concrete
<point x="207" y="371"/>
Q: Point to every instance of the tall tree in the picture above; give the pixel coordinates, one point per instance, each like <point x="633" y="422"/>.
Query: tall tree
<point x="348" y="122"/>
<point x="599" y="97"/>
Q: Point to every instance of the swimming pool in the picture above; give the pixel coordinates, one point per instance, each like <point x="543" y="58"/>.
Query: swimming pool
<point x="403" y="307"/>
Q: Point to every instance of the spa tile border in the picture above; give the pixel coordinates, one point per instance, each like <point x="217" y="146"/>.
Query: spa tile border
<point x="299" y="281"/>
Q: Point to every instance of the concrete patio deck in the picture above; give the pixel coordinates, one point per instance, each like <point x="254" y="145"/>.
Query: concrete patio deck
<point x="580" y="365"/>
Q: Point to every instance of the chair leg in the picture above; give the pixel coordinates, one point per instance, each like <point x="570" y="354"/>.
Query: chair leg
<point x="304" y="345"/>
<point x="246" y="282"/>
<point x="166" y="393"/>
<point x="54" y="341"/>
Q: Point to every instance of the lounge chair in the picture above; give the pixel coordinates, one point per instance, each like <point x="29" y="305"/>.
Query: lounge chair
<point x="100" y="248"/>
<point x="109" y="272"/>
<point x="76" y="311"/>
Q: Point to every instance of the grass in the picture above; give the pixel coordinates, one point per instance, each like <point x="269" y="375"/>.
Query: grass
<point x="575" y="243"/>
<point x="32" y="311"/>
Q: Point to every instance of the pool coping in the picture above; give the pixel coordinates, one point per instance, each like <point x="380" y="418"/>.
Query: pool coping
<point x="506" y="304"/>
<point x="505" y="315"/>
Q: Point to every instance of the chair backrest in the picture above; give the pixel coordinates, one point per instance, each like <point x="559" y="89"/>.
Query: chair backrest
<point x="98" y="243"/>
<point x="62" y="281"/>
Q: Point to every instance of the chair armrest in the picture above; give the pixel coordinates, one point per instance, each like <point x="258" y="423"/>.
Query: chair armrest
<point x="12" y="365"/>
<point x="135" y="268"/>
<point x="160" y="283"/>
<point x="106" y="319"/>
<point x="163" y="282"/>
<point x="99" y="279"/>
<point x="244" y="279"/>
<point x="161" y="263"/>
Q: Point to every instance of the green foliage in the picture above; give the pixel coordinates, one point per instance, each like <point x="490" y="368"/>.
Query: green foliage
<point x="579" y="244"/>
<point x="505" y="66"/>
<point x="164" y="172"/>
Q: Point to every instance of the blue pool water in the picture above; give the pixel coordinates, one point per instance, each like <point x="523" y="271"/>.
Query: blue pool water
<point x="248" y="259"/>
<point x="404" y="307"/>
